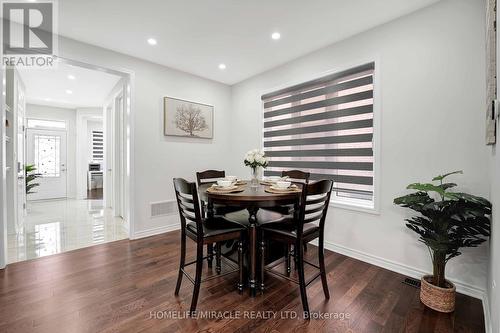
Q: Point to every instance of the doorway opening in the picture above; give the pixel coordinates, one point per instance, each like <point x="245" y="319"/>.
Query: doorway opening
<point x="68" y="159"/>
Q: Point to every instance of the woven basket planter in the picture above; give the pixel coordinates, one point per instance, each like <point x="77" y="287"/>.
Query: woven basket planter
<point x="436" y="298"/>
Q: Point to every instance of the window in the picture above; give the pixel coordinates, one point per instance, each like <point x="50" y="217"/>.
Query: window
<point x="325" y="127"/>
<point x="97" y="146"/>
<point x="47" y="155"/>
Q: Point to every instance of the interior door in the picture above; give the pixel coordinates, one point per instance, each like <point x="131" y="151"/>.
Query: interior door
<point x="46" y="149"/>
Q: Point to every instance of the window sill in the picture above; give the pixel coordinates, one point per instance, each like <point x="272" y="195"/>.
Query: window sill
<point x="369" y="209"/>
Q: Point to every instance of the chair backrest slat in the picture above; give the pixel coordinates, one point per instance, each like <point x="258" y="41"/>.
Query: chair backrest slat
<point x="312" y="219"/>
<point x="314" y="209"/>
<point x="188" y="216"/>
<point x="209" y="176"/>
<point x="187" y="208"/>
<point x="188" y="204"/>
<point x="297" y="176"/>
<point x="185" y="199"/>
<point x="314" y="201"/>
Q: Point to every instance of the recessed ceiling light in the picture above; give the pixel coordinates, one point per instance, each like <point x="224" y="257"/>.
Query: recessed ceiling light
<point x="222" y="66"/>
<point x="69" y="92"/>
<point x="276" y="35"/>
<point x="47" y="99"/>
<point x="152" y="41"/>
<point x="71" y="77"/>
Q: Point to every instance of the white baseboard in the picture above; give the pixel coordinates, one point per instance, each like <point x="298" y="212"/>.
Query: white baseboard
<point x="156" y="231"/>
<point x="413" y="272"/>
<point x="462" y="287"/>
<point x="487" y="315"/>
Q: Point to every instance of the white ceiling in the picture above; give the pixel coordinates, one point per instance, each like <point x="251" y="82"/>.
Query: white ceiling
<point x="48" y="86"/>
<point x="195" y="36"/>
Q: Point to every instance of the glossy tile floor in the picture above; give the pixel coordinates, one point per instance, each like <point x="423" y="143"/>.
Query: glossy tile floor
<point x="56" y="226"/>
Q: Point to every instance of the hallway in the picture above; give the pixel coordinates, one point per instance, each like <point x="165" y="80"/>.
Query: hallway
<point x="56" y="226"/>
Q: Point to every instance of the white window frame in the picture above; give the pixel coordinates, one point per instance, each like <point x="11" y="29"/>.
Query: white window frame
<point x="47" y="127"/>
<point x="353" y="204"/>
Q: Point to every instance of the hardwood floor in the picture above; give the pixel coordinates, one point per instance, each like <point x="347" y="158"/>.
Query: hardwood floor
<point x="128" y="286"/>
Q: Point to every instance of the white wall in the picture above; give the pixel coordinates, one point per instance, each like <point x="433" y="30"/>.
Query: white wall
<point x="158" y="159"/>
<point x="432" y="89"/>
<point x="69" y="116"/>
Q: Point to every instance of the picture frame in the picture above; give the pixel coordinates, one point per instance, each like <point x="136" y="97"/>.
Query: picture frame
<point x="185" y="118"/>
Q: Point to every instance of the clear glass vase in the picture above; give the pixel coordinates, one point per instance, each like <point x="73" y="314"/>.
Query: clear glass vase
<point x="254" y="181"/>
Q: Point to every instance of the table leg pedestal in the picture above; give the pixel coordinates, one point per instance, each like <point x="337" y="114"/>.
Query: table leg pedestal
<point x="262" y="261"/>
<point x="240" y="260"/>
<point x="210" y="209"/>
<point x="252" y="256"/>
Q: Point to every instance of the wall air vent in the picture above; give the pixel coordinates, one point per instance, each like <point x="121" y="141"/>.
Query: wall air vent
<point x="412" y="282"/>
<point x="163" y="208"/>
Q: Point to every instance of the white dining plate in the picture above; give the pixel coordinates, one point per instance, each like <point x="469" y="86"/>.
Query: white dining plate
<point x="227" y="188"/>
<point x="290" y="188"/>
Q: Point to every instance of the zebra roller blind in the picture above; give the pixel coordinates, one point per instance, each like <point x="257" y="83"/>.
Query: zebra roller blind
<point x="325" y="127"/>
<point x="97" y="145"/>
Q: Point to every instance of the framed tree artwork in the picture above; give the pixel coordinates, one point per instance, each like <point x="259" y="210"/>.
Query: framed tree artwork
<point x="491" y="71"/>
<point x="188" y="119"/>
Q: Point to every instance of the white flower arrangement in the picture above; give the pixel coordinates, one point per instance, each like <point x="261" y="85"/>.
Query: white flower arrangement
<point x="255" y="158"/>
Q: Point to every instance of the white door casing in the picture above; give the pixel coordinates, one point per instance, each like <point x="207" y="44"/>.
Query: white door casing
<point x="20" y="155"/>
<point x="46" y="149"/>
<point x="118" y="156"/>
<point x="116" y="153"/>
<point x="108" y="156"/>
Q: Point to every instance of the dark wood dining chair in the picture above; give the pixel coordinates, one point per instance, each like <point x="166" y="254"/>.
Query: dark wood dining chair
<point x="313" y="205"/>
<point x="208" y="177"/>
<point x="203" y="231"/>
<point x="297" y="177"/>
<point x="211" y="177"/>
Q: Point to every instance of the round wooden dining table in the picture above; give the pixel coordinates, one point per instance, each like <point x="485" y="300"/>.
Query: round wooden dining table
<point x="251" y="199"/>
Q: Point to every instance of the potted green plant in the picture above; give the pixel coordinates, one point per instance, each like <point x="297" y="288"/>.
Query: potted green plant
<point x="447" y="221"/>
<point x="31" y="176"/>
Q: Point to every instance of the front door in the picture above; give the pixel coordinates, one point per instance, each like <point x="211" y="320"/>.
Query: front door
<point x="46" y="150"/>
